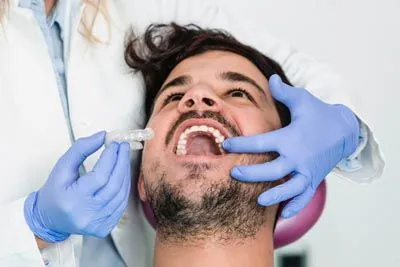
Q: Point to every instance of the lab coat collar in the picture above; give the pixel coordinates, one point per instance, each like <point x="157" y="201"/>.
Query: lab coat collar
<point x="29" y="3"/>
<point x="61" y="4"/>
<point x="67" y="14"/>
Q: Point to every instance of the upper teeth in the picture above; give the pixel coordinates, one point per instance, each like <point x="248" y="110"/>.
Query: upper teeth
<point x="181" y="148"/>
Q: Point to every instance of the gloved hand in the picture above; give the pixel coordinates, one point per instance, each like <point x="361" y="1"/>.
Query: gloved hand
<point x="317" y="139"/>
<point x="91" y="204"/>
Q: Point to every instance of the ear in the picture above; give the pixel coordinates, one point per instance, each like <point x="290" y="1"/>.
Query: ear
<point x="142" y="192"/>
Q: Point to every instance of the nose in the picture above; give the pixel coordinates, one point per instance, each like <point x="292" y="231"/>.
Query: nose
<point x="200" y="98"/>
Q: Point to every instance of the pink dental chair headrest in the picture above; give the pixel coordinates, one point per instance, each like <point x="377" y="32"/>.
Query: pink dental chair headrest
<point x="287" y="230"/>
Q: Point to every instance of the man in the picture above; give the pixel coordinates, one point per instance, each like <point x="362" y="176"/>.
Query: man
<point x="202" y="89"/>
<point x="62" y="77"/>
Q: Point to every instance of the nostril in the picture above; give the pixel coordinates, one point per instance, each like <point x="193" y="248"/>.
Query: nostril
<point x="208" y="101"/>
<point x="189" y="103"/>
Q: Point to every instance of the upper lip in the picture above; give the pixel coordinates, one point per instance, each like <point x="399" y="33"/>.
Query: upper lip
<point x="207" y="122"/>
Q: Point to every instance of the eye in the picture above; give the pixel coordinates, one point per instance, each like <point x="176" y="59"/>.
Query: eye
<point x="239" y="92"/>
<point x="173" y="97"/>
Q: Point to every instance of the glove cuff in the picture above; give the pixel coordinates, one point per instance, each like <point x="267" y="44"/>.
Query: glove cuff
<point x="351" y="139"/>
<point x="36" y="226"/>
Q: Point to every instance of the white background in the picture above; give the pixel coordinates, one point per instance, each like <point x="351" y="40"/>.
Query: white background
<point x="360" y="39"/>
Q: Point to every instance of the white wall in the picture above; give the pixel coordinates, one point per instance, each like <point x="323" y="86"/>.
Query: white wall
<point x="361" y="40"/>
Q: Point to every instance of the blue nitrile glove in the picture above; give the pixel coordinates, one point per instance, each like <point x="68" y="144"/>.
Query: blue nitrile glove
<point x="317" y="139"/>
<point x="91" y="204"/>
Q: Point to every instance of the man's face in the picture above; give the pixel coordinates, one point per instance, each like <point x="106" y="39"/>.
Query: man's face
<point x="205" y="99"/>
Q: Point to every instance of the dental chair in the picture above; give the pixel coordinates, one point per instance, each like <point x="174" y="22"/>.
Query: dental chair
<point x="287" y="230"/>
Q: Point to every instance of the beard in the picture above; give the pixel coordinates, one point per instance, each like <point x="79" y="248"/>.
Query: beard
<point x="226" y="211"/>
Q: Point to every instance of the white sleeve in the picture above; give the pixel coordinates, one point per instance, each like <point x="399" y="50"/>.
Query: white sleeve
<point x="18" y="247"/>
<point x="302" y="70"/>
<point x="366" y="164"/>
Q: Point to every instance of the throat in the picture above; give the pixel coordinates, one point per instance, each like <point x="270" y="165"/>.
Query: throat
<point x="49" y="5"/>
<point x="255" y="252"/>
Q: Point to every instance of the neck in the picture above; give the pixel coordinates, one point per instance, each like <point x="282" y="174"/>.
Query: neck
<point x="256" y="252"/>
<point x="49" y="4"/>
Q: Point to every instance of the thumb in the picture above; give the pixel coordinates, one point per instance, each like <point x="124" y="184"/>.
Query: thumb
<point x="69" y="163"/>
<point x="282" y="92"/>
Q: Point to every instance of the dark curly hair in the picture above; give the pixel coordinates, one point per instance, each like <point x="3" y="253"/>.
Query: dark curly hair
<point x="164" y="46"/>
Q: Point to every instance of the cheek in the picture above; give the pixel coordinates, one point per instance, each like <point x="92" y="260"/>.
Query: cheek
<point x="255" y="121"/>
<point x="156" y="144"/>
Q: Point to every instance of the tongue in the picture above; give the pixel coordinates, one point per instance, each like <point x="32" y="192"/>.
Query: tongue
<point x="201" y="145"/>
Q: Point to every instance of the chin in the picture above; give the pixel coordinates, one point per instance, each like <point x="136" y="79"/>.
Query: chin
<point x="198" y="178"/>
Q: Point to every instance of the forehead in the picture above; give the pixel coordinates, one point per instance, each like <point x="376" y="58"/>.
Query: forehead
<point x="209" y="64"/>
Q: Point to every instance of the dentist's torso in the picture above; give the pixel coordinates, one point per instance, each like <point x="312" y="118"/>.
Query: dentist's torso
<point x="102" y="95"/>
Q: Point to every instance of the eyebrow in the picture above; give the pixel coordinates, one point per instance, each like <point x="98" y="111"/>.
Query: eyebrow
<point x="239" y="77"/>
<point x="178" y="81"/>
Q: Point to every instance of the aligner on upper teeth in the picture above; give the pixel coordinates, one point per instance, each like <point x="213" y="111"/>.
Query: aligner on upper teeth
<point x="181" y="147"/>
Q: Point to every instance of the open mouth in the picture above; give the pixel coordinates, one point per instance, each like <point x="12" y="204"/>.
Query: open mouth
<point x="200" y="140"/>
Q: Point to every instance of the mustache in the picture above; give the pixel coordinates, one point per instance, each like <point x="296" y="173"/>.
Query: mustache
<point x="205" y="115"/>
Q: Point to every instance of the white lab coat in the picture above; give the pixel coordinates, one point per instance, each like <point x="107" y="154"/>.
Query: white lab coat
<point x="104" y="95"/>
